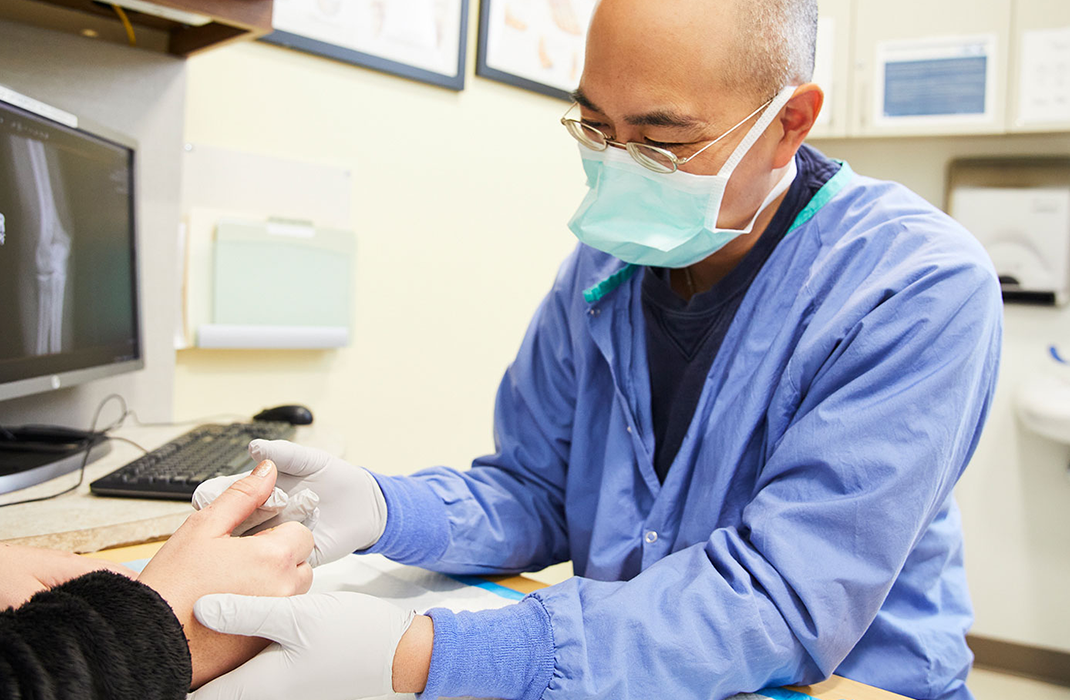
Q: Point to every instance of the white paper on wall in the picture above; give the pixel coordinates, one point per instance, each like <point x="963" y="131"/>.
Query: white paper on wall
<point x="1044" y="94"/>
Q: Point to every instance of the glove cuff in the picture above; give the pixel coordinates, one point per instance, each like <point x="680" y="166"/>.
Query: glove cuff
<point x="504" y="653"/>
<point x="417" y="525"/>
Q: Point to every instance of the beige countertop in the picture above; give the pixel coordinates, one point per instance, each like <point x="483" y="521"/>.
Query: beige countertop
<point x="81" y="522"/>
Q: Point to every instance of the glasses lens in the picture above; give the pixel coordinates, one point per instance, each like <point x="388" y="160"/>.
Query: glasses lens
<point x="589" y="136"/>
<point x="653" y="158"/>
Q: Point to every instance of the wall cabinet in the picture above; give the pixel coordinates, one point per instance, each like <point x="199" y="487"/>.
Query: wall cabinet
<point x="177" y="27"/>
<point x="930" y="68"/>
<point x="951" y="67"/>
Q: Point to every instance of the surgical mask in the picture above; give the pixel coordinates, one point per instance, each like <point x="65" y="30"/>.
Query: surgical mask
<point x="659" y="219"/>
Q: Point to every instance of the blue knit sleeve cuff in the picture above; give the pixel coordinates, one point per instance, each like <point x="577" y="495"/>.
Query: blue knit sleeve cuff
<point x="505" y="653"/>
<point x="417" y="525"/>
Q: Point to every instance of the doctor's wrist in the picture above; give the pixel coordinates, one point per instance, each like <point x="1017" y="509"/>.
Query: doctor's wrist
<point x="412" y="658"/>
<point x="416" y="531"/>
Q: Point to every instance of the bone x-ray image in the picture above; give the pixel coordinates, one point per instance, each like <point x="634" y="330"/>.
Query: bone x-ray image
<point x="67" y="280"/>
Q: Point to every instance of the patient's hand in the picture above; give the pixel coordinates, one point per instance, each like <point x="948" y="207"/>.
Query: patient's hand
<point x="201" y="558"/>
<point x="27" y="570"/>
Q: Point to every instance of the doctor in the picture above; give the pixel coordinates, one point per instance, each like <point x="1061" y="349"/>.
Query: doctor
<point x="740" y="412"/>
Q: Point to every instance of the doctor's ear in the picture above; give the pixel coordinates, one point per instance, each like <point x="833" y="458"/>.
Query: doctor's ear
<point x="797" y="119"/>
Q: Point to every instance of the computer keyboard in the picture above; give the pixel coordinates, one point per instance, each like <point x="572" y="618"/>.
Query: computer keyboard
<point x="173" y="471"/>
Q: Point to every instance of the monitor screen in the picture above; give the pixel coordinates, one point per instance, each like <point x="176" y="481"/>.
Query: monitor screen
<point x="68" y="278"/>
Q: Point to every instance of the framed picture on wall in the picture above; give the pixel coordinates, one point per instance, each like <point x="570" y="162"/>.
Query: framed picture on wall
<point x="420" y="39"/>
<point x="534" y="44"/>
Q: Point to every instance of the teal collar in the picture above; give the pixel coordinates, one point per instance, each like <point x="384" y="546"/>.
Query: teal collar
<point x="822" y="197"/>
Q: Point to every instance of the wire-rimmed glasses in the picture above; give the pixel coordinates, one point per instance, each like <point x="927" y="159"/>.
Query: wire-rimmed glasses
<point x="655" y="158"/>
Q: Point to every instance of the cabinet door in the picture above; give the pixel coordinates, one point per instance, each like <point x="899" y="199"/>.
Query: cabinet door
<point x="832" y="66"/>
<point x="930" y="68"/>
<point x="1040" y="66"/>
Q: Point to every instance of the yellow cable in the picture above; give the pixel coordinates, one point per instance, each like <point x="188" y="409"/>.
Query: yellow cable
<point x="126" y="24"/>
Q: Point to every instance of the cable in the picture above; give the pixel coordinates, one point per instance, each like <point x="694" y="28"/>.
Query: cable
<point x="87" y="447"/>
<point x="103" y="433"/>
<point x="129" y="442"/>
<point x="126" y="24"/>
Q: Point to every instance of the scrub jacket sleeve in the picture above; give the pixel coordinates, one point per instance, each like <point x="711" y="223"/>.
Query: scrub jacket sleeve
<point x="884" y="421"/>
<point x="505" y="514"/>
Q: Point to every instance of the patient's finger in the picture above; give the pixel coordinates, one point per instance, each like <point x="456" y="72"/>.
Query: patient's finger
<point x="239" y="501"/>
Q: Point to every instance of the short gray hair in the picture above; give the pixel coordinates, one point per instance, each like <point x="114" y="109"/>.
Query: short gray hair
<point x="777" y="40"/>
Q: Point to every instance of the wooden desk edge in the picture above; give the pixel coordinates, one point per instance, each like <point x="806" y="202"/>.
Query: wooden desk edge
<point x="835" y="688"/>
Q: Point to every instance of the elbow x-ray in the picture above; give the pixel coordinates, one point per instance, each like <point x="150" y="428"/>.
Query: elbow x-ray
<point x="44" y="231"/>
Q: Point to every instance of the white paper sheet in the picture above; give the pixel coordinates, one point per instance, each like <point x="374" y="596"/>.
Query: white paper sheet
<point x="1044" y="95"/>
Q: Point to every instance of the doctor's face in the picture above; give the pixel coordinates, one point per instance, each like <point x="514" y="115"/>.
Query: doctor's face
<point x="662" y="73"/>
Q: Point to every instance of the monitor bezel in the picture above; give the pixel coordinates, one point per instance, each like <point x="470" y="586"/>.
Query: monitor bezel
<point x="51" y="382"/>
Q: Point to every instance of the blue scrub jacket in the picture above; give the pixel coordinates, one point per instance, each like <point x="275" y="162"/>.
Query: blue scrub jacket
<point x="806" y="526"/>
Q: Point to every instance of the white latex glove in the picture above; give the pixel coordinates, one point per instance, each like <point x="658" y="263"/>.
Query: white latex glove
<point x="351" y="512"/>
<point x="328" y="646"/>
<point x="301" y="507"/>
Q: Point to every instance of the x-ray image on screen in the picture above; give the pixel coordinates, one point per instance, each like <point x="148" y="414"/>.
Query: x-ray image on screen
<point x="44" y="235"/>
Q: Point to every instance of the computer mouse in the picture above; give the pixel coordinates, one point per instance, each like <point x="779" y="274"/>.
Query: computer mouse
<point x="292" y="414"/>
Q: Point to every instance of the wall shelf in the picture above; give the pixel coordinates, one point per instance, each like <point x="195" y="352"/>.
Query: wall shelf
<point x="222" y="21"/>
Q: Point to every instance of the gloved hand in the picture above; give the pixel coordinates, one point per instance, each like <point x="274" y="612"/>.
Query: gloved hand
<point x="301" y="507"/>
<point x="328" y="646"/>
<point x="351" y="511"/>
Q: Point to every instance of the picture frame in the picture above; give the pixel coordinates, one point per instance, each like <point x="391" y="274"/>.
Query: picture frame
<point x="535" y="45"/>
<point x="423" y="40"/>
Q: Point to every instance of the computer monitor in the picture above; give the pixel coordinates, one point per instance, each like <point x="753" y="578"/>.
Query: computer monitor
<point x="69" y="308"/>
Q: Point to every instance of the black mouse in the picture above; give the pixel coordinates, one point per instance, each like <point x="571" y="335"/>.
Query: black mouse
<point x="292" y="414"/>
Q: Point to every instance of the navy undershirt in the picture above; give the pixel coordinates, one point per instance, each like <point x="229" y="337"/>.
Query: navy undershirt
<point x="683" y="337"/>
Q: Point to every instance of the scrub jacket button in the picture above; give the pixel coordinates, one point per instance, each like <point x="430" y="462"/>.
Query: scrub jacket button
<point x="651" y="537"/>
<point x="629" y="428"/>
<point x="595" y="312"/>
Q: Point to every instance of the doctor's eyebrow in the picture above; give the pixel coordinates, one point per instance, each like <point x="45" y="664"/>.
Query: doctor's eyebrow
<point x="658" y="117"/>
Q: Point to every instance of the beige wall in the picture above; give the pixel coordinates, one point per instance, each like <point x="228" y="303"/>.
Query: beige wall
<point x="460" y="203"/>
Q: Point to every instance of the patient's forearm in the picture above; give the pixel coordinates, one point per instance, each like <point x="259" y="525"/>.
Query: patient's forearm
<point x="214" y="654"/>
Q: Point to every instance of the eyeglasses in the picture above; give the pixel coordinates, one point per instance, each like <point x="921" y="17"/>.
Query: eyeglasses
<point x="660" y="160"/>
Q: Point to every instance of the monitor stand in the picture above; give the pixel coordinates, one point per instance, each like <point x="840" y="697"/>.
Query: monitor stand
<point x="34" y="454"/>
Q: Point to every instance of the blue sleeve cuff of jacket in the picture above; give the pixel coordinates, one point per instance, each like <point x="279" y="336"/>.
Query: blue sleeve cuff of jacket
<point x="417" y="525"/>
<point x="505" y="653"/>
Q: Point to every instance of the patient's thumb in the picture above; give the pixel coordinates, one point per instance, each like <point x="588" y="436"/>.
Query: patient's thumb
<point x="244" y="496"/>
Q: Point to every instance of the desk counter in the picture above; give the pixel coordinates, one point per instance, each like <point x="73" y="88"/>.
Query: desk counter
<point x="81" y="522"/>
